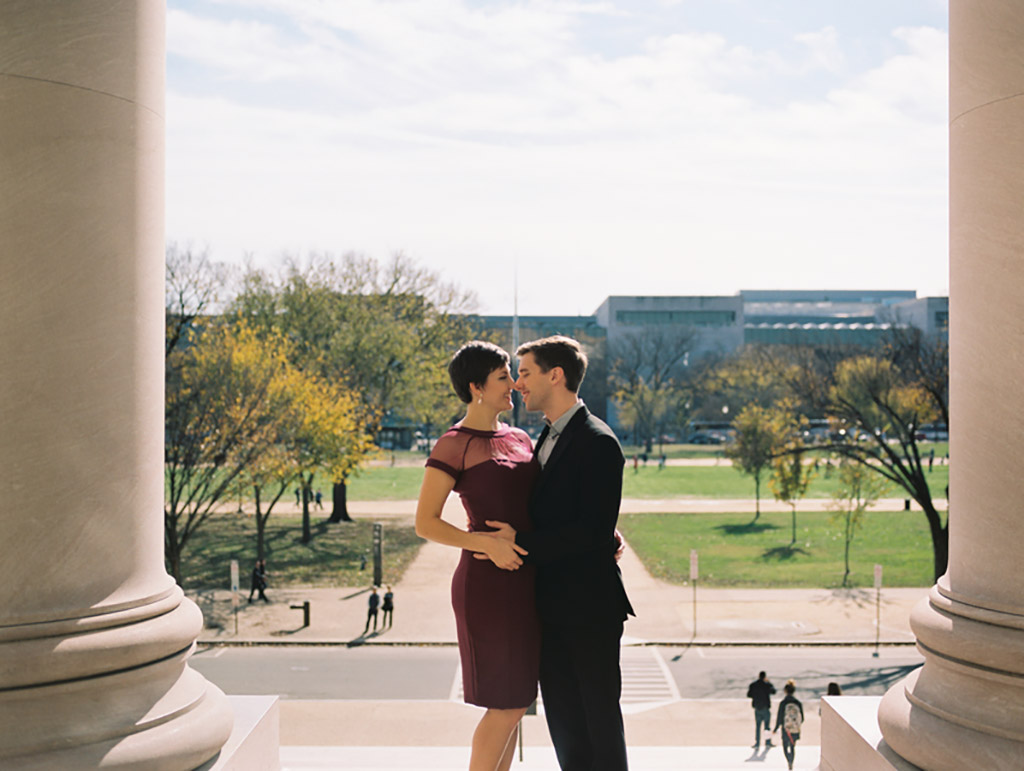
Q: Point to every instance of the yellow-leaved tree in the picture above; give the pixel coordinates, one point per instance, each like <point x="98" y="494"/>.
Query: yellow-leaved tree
<point x="226" y="394"/>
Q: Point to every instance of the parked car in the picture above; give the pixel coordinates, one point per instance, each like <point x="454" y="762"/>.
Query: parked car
<point x="703" y="438"/>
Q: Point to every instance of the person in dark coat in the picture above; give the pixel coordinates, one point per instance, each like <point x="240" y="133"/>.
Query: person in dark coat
<point x="373" y="604"/>
<point x="760" y="695"/>
<point x="258" y="582"/>
<point x="581" y="600"/>
<point x="387" y="608"/>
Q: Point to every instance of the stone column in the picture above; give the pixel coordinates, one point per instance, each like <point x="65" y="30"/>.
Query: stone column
<point x="965" y="707"/>
<point x="94" y="635"/>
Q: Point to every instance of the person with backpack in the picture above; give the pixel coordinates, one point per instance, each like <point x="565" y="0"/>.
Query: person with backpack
<point x="790" y="718"/>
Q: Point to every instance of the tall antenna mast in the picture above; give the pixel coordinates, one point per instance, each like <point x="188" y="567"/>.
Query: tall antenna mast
<point x="515" y="336"/>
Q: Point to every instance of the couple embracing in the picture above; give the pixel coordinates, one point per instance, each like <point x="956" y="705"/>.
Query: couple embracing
<point x="537" y="594"/>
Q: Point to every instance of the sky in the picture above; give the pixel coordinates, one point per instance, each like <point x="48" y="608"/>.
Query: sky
<point x="550" y="153"/>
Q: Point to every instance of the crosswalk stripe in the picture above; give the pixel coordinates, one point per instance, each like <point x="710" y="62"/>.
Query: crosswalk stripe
<point x="646" y="679"/>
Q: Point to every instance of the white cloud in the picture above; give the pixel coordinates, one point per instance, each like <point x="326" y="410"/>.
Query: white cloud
<point x="471" y="137"/>
<point x="823" y="49"/>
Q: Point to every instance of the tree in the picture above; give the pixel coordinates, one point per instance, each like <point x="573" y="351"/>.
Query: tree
<point x="226" y="392"/>
<point x="386" y="331"/>
<point x="318" y="430"/>
<point x="880" y="411"/>
<point x="760" y="435"/>
<point x="791" y="476"/>
<point x="193" y="287"/>
<point x="649" y="375"/>
<point x="858" y="489"/>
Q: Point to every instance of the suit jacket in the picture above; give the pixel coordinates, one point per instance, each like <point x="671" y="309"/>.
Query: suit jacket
<point x="574" y="509"/>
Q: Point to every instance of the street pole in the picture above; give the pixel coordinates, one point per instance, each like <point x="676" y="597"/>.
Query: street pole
<point x="234" y="592"/>
<point x="878" y="608"/>
<point x="693" y="578"/>
<point x="378" y="540"/>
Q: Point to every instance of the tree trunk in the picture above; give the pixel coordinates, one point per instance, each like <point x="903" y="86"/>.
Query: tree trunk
<point x="846" y="550"/>
<point x="757" y="497"/>
<point x="340" y="496"/>
<point x="793" y="542"/>
<point x="260" y="524"/>
<point x="940" y="539"/>
<point x="174" y="563"/>
<point x="307" y="534"/>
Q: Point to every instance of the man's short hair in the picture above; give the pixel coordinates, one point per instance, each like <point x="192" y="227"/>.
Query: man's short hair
<point x="473" y="363"/>
<point x="558" y="351"/>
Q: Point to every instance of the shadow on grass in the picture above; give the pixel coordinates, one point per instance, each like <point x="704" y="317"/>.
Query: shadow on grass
<point x="781" y="553"/>
<point x="746" y="528"/>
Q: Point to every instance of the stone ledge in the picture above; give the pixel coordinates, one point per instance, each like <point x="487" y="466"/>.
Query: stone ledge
<point x="851" y="739"/>
<point x="255" y="741"/>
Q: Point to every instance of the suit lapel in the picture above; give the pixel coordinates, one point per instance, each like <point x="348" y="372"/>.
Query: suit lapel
<point x="565" y="439"/>
<point x="541" y="438"/>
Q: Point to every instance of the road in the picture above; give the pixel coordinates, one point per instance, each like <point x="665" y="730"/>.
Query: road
<point x="649" y="673"/>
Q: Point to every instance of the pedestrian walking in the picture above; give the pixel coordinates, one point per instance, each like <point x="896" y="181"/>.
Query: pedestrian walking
<point x="760" y="694"/>
<point x="258" y="581"/>
<point x="298" y="497"/>
<point x="319" y="500"/>
<point x="373" y="603"/>
<point x="388" y="608"/>
<point x="790" y="719"/>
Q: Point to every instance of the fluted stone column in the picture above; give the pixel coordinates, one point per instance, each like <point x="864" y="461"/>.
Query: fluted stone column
<point x="965" y="707"/>
<point x="93" y="633"/>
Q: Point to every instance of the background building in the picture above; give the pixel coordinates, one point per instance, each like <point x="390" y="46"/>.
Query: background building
<point x="721" y="324"/>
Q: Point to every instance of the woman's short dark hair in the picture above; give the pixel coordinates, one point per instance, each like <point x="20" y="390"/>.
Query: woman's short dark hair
<point x="473" y="363"/>
<point x="558" y="351"/>
<point x="789" y="687"/>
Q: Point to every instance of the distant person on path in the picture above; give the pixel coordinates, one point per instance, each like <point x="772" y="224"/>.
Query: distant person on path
<point x="760" y="694"/>
<point x="833" y="690"/>
<point x="373" y="603"/>
<point x="298" y="497"/>
<point x="492" y="467"/>
<point x="661" y="461"/>
<point x="388" y="608"/>
<point x="790" y="719"/>
<point x="319" y="500"/>
<point x="259" y="580"/>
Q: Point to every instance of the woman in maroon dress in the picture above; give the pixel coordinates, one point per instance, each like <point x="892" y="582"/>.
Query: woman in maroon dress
<point x="492" y="468"/>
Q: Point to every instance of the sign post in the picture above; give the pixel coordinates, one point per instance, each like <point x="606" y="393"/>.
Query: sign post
<point x="693" y="579"/>
<point x="234" y="592"/>
<point x="378" y="540"/>
<point x="878" y="608"/>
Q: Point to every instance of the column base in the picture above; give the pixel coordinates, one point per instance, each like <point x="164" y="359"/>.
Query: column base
<point x="116" y="695"/>
<point x="965" y="707"/>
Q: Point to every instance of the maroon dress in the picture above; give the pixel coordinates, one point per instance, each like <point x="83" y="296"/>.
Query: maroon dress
<point x="495" y="610"/>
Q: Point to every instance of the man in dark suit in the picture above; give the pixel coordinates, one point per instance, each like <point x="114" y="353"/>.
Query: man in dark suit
<point x="580" y="597"/>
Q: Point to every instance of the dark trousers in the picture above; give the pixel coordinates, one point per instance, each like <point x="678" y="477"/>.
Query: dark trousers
<point x="581" y="684"/>
<point x="762" y="717"/>
<point x="789" y="746"/>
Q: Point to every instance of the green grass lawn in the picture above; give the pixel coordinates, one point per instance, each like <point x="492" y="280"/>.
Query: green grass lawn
<point x="331" y="558"/>
<point x="735" y="552"/>
<point x="727" y="482"/>
<point x="403" y="483"/>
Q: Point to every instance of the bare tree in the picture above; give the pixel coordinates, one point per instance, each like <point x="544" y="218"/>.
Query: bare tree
<point x="649" y="375"/>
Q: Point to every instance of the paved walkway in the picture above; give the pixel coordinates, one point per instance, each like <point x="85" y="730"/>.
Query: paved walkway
<point x="665" y="613"/>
